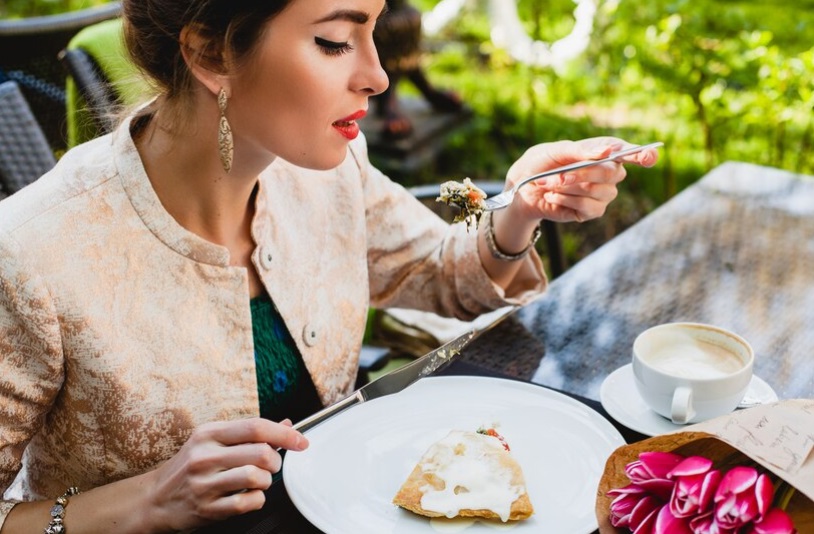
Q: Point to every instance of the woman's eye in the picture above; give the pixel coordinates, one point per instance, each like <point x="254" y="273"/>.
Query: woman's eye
<point x="333" y="48"/>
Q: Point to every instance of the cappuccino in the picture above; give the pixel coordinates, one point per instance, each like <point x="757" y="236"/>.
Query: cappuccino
<point x="691" y="372"/>
<point x="694" y="358"/>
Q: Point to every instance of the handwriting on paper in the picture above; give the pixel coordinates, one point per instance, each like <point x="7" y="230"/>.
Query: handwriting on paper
<point x="780" y="434"/>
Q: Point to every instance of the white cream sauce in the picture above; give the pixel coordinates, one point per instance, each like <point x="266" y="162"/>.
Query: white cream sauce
<point x="468" y="463"/>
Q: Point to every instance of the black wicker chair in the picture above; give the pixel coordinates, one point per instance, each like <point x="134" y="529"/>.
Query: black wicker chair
<point x="24" y="151"/>
<point x="29" y="50"/>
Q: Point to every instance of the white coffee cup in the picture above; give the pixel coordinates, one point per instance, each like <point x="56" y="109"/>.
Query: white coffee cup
<point x="691" y="372"/>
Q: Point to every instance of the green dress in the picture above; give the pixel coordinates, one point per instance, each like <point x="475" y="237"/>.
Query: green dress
<point x="284" y="386"/>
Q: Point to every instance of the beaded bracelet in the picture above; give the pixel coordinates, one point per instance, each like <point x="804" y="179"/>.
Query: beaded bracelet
<point x="57" y="526"/>
<point x="495" y="251"/>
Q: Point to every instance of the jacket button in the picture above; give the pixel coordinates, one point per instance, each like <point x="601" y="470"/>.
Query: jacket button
<point x="309" y="335"/>
<point x="265" y="258"/>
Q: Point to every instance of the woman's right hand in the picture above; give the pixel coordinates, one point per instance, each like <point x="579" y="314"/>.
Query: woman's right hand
<point x="221" y="471"/>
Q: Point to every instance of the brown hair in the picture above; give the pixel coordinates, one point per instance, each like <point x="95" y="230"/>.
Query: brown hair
<point x="152" y="33"/>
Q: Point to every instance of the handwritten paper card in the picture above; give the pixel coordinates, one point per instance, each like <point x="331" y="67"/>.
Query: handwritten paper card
<point x="779" y="436"/>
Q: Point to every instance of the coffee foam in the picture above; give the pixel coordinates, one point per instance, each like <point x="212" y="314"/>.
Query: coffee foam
<point x="693" y="358"/>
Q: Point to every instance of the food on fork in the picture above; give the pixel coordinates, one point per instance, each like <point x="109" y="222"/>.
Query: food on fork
<point x="466" y="196"/>
<point x="467" y="474"/>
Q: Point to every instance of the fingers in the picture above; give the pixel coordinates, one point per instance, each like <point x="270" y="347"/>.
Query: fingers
<point x="236" y="504"/>
<point x="599" y="148"/>
<point x="238" y="456"/>
<point x="255" y="431"/>
<point x="602" y="147"/>
<point x="551" y="155"/>
<point x="568" y="194"/>
<point x="564" y="152"/>
<point x="220" y="471"/>
<point x="645" y="158"/>
<point x="605" y="173"/>
<point x="239" y="479"/>
<point x="261" y="455"/>
<point x="252" y="444"/>
<point x="580" y="207"/>
<point x="586" y="194"/>
<point x="206" y="509"/>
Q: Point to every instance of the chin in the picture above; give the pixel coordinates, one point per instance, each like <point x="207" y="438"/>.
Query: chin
<point x="323" y="161"/>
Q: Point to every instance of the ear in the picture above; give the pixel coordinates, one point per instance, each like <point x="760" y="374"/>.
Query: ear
<point x="205" y="58"/>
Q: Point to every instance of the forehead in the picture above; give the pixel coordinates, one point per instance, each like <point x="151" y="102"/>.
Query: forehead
<point x="314" y="12"/>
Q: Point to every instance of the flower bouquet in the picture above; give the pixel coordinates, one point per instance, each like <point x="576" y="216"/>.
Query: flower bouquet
<point x="749" y="472"/>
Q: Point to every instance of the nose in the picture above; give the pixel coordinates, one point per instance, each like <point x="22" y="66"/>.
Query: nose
<point x="371" y="77"/>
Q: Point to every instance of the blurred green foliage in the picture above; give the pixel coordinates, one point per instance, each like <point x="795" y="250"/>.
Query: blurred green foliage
<point x="37" y="8"/>
<point x="716" y="80"/>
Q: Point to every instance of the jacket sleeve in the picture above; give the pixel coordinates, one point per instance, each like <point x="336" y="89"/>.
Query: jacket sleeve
<point x="31" y="363"/>
<point x="417" y="260"/>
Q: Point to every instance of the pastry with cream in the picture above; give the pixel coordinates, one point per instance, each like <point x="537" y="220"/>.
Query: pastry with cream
<point x="467" y="474"/>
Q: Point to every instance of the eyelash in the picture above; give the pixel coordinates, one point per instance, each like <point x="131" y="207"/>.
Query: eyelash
<point x="331" y="48"/>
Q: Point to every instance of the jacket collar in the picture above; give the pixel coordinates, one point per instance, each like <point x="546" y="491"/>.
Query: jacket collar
<point x="145" y="201"/>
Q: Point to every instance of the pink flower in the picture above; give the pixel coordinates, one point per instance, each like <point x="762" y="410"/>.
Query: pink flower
<point x="650" y="472"/>
<point x="742" y="496"/>
<point x="644" y="515"/>
<point x="670" y="494"/>
<point x="776" y="521"/>
<point x="706" y="524"/>
<point x="695" y="486"/>
<point x="631" y="506"/>
<point x="667" y="523"/>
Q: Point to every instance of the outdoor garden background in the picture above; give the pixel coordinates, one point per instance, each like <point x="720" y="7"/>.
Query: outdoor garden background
<point x="715" y="80"/>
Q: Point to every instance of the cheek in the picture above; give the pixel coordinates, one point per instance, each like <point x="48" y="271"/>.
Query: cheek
<point x="296" y="93"/>
<point x="287" y="108"/>
<point x="273" y="111"/>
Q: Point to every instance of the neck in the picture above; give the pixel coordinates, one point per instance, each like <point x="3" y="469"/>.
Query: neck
<point x="184" y="168"/>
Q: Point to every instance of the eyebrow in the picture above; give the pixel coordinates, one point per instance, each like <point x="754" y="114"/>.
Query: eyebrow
<point x="359" y="17"/>
<point x="350" y="15"/>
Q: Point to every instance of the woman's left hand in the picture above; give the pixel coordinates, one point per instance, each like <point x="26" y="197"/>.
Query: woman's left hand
<point x="577" y="195"/>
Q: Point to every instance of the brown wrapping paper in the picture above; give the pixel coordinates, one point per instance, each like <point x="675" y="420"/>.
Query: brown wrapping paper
<point x="778" y="436"/>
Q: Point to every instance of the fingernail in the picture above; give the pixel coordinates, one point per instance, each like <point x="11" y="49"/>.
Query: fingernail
<point x="302" y="442"/>
<point x="569" y="178"/>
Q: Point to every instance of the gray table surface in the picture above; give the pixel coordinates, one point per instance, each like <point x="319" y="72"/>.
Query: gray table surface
<point x="735" y="249"/>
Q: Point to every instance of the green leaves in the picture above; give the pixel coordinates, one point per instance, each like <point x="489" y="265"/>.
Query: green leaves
<point x="36" y="8"/>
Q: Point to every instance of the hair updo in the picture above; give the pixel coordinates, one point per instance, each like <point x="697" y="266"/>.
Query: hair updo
<point x="152" y="33"/>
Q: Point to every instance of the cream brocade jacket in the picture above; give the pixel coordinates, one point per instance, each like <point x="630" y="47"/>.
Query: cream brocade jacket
<point x="120" y="331"/>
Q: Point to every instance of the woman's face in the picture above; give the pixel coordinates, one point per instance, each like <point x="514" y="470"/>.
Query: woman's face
<point x="307" y="83"/>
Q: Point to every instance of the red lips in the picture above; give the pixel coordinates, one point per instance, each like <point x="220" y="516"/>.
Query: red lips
<point x="348" y="126"/>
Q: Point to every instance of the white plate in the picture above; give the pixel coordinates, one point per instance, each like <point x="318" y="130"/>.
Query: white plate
<point x="622" y="401"/>
<point x="345" y="481"/>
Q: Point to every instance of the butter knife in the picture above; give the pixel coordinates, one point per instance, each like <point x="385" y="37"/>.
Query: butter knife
<point x="394" y="381"/>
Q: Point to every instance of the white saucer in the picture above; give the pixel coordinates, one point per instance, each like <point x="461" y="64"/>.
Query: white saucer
<point x="622" y="401"/>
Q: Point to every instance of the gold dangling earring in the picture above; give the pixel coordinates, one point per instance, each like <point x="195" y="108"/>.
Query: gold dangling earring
<point x="226" y="144"/>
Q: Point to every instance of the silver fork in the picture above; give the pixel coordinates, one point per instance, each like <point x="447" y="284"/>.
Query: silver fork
<point x="505" y="198"/>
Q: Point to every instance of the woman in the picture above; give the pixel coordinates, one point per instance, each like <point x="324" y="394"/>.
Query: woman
<point x="213" y="259"/>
